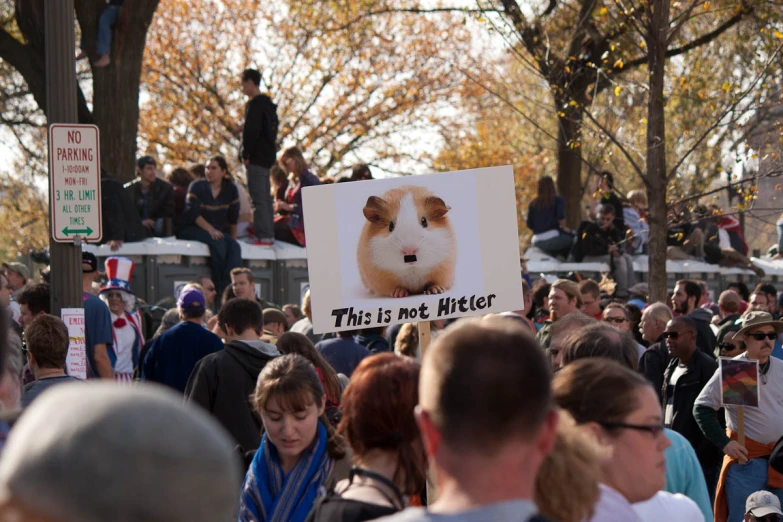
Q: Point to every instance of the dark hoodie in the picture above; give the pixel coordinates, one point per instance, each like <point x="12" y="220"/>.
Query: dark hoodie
<point x="259" y="135"/>
<point x="223" y="382"/>
<point x="705" y="339"/>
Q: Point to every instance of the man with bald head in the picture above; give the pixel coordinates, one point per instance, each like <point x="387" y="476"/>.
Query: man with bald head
<point x="728" y="309"/>
<point x="688" y="372"/>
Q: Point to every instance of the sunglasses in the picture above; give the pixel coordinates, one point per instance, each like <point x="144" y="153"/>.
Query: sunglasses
<point x="616" y="320"/>
<point x="768" y="518"/>
<point x="653" y="429"/>
<point x="670" y="335"/>
<point x="727" y="346"/>
<point x="760" y="336"/>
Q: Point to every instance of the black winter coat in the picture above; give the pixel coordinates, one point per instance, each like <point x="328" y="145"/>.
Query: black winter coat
<point x="223" y="382"/>
<point x="161" y="199"/>
<point x="121" y="221"/>
<point x="700" y="369"/>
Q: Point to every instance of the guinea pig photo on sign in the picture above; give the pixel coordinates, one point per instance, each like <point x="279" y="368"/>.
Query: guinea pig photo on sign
<point x="408" y="245"/>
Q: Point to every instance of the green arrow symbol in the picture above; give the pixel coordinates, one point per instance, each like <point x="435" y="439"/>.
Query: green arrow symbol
<point x="73" y="231"/>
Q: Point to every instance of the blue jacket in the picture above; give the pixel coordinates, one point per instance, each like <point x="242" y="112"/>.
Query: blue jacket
<point x="683" y="473"/>
<point x="172" y="357"/>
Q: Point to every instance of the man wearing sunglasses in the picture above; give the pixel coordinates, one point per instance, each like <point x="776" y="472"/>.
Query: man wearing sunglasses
<point x="763" y="425"/>
<point x="688" y="371"/>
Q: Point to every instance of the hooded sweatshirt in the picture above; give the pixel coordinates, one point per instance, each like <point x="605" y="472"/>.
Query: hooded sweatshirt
<point x="705" y="338"/>
<point x="223" y="382"/>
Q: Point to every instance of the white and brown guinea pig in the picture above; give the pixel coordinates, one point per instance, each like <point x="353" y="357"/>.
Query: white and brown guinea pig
<point x="407" y="245"/>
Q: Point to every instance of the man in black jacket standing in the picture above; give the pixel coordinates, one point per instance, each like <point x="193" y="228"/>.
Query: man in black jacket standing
<point x="223" y="382"/>
<point x="153" y="197"/>
<point x="688" y="372"/>
<point x="259" y="153"/>
<point x="686" y="295"/>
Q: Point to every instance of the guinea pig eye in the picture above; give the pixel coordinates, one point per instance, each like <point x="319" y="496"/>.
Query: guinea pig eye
<point x="424" y="221"/>
<point x="391" y="226"/>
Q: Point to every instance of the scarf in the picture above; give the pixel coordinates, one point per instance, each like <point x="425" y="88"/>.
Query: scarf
<point x="268" y="495"/>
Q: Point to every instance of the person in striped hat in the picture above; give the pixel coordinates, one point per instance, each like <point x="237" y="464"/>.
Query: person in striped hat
<point x="126" y="320"/>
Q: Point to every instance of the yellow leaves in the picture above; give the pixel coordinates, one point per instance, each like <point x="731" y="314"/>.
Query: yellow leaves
<point x="617" y="90"/>
<point x="603" y="11"/>
<point x="619" y="64"/>
<point x="778" y="34"/>
<point x="726" y="86"/>
<point x="706" y="5"/>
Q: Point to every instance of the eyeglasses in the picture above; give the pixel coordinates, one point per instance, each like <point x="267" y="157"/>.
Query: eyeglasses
<point x="672" y="335"/>
<point x="727" y="346"/>
<point x="760" y="336"/>
<point x="616" y="320"/>
<point x="653" y="429"/>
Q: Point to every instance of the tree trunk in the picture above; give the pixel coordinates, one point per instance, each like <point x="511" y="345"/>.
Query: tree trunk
<point x="656" y="147"/>
<point x="116" y="87"/>
<point x="569" y="159"/>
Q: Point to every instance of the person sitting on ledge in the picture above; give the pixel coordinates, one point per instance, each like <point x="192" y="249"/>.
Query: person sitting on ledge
<point x="210" y="217"/>
<point x="546" y="218"/>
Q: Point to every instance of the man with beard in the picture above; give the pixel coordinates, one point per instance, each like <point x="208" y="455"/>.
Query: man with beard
<point x="564" y="298"/>
<point x="686" y="295"/>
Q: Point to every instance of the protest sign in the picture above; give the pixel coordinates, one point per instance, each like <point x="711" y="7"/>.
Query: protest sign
<point x="413" y="248"/>
<point x="76" y="360"/>
<point x="739" y="379"/>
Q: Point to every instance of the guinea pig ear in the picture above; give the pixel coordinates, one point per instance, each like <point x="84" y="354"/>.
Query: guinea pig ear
<point x="376" y="210"/>
<point x="436" y="207"/>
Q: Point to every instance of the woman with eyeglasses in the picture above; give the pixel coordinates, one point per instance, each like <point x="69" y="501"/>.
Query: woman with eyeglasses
<point x="620" y="409"/>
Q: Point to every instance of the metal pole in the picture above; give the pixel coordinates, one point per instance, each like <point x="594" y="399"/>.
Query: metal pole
<point x="66" y="258"/>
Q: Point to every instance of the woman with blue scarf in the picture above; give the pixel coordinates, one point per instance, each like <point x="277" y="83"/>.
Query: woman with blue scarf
<point x="300" y="453"/>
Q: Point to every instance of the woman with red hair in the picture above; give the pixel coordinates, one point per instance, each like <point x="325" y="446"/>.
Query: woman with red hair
<point x="389" y="464"/>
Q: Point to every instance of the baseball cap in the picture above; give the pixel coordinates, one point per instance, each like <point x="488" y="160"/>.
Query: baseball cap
<point x="762" y="503"/>
<point x="191" y="299"/>
<point x="146" y="160"/>
<point x="89" y="259"/>
<point x="19" y="268"/>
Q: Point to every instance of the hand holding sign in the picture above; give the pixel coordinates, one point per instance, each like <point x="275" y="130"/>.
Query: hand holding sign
<point x="739" y="380"/>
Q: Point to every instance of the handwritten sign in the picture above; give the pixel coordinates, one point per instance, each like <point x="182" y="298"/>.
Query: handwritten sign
<point x="76" y="361"/>
<point x="739" y="379"/>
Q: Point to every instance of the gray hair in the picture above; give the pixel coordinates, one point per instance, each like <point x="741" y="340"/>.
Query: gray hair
<point x="659" y="312"/>
<point x="128" y="298"/>
<point x="176" y="460"/>
<point x="170" y="320"/>
<point x="569" y="322"/>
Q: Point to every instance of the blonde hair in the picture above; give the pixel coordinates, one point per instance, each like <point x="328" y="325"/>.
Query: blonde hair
<point x="407" y="342"/>
<point x="567" y="482"/>
<point x="295" y="154"/>
<point x="637" y="196"/>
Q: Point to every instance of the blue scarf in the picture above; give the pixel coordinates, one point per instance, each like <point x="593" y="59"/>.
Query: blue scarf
<point x="269" y="495"/>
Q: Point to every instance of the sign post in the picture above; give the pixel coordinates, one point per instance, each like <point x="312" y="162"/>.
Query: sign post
<point x="61" y="107"/>
<point x="75" y="182"/>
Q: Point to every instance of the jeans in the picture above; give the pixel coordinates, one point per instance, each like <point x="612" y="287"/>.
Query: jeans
<point x="556" y="246"/>
<point x="225" y="254"/>
<point x="260" y="194"/>
<point x="744" y="479"/>
<point x="105" y="23"/>
<point x="623" y="271"/>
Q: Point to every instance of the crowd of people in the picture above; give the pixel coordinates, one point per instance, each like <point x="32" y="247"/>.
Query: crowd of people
<point x="617" y="230"/>
<point x="581" y="407"/>
<point x="210" y="204"/>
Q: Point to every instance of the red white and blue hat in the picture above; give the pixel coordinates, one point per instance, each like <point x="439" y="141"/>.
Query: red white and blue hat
<point x="119" y="271"/>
